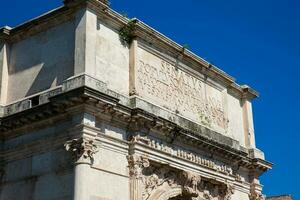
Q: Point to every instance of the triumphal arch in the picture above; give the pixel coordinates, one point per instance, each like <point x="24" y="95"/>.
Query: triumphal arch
<point x="96" y="106"/>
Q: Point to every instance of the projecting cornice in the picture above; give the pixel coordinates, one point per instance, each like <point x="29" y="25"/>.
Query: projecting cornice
<point x="84" y="91"/>
<point x="140" y="30"/>
<point x="4" y="33"/>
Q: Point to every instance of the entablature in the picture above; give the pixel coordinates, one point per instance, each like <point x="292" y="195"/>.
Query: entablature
<point x="136" y="121"/>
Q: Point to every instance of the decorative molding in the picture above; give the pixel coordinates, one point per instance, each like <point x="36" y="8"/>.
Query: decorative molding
<point x="82" y="150"/>
<point x="186" y="155"/>
<point x="91" y="93"/>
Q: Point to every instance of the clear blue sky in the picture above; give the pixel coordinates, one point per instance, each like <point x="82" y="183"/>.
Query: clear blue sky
<point x="256" y="41"/>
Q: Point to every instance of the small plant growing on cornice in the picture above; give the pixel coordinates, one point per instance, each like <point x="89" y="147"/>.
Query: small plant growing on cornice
<point x="186" y="46"/>
<point x="126" y="33"/>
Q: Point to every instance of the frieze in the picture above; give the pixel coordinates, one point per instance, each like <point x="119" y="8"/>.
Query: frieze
<point x="177" y="152"/>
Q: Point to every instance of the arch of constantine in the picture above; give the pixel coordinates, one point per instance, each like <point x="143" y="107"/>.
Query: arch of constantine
<point x="96" y="106"/>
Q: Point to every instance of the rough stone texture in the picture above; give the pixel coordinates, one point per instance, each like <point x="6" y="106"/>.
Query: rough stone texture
<point x="97" y="107"/>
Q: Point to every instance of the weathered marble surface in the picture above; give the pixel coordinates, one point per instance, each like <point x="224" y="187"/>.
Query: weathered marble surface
<point x="87" y="115"/>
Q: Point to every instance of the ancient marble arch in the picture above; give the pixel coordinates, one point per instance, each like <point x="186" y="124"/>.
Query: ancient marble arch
<point x="95" y="106"/>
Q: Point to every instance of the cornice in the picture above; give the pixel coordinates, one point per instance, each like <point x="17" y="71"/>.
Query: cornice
<point x="136" y="120"/>
<point x="5" y="33"/>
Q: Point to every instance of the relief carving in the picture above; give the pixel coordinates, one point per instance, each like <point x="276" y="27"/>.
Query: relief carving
<point x="227" y="191"/>
<point x="190" y="183"/>
<point x="176" y="152"/>
<point x="157" y="179"/>
<point x="82" y="150"/>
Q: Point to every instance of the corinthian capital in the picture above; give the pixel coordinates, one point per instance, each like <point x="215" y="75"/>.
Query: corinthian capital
<point x="82" y="150"/>
<point x="137" y="164"/>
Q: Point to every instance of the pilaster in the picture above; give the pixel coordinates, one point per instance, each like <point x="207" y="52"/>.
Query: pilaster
<point x="4" y="63"/>
<point x="248" y="95"/>
<point x="85" y="41"/>
<point x="136" y="165"/>
<point x="133" y="67"/>
<point x="248" y="124"/>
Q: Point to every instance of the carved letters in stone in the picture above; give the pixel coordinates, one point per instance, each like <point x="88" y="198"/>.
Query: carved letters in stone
<point x="180" y="91"/>
<point x="82" y="150"/>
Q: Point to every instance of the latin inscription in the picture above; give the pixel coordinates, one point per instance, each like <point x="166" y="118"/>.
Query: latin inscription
<point x="180" y="92"/>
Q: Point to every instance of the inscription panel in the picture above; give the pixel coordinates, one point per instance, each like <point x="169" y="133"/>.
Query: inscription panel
<point x="178" y="90"/>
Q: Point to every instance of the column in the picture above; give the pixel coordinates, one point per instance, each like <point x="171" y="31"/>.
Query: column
<point x="82" y="149"/>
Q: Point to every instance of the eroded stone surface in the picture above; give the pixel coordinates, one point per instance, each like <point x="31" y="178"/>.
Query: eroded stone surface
<point x="87" y="116"/>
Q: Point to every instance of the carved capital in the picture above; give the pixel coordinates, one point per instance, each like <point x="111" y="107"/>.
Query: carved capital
<point x="136" y="165"/>
<point x="82" y="150"/>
